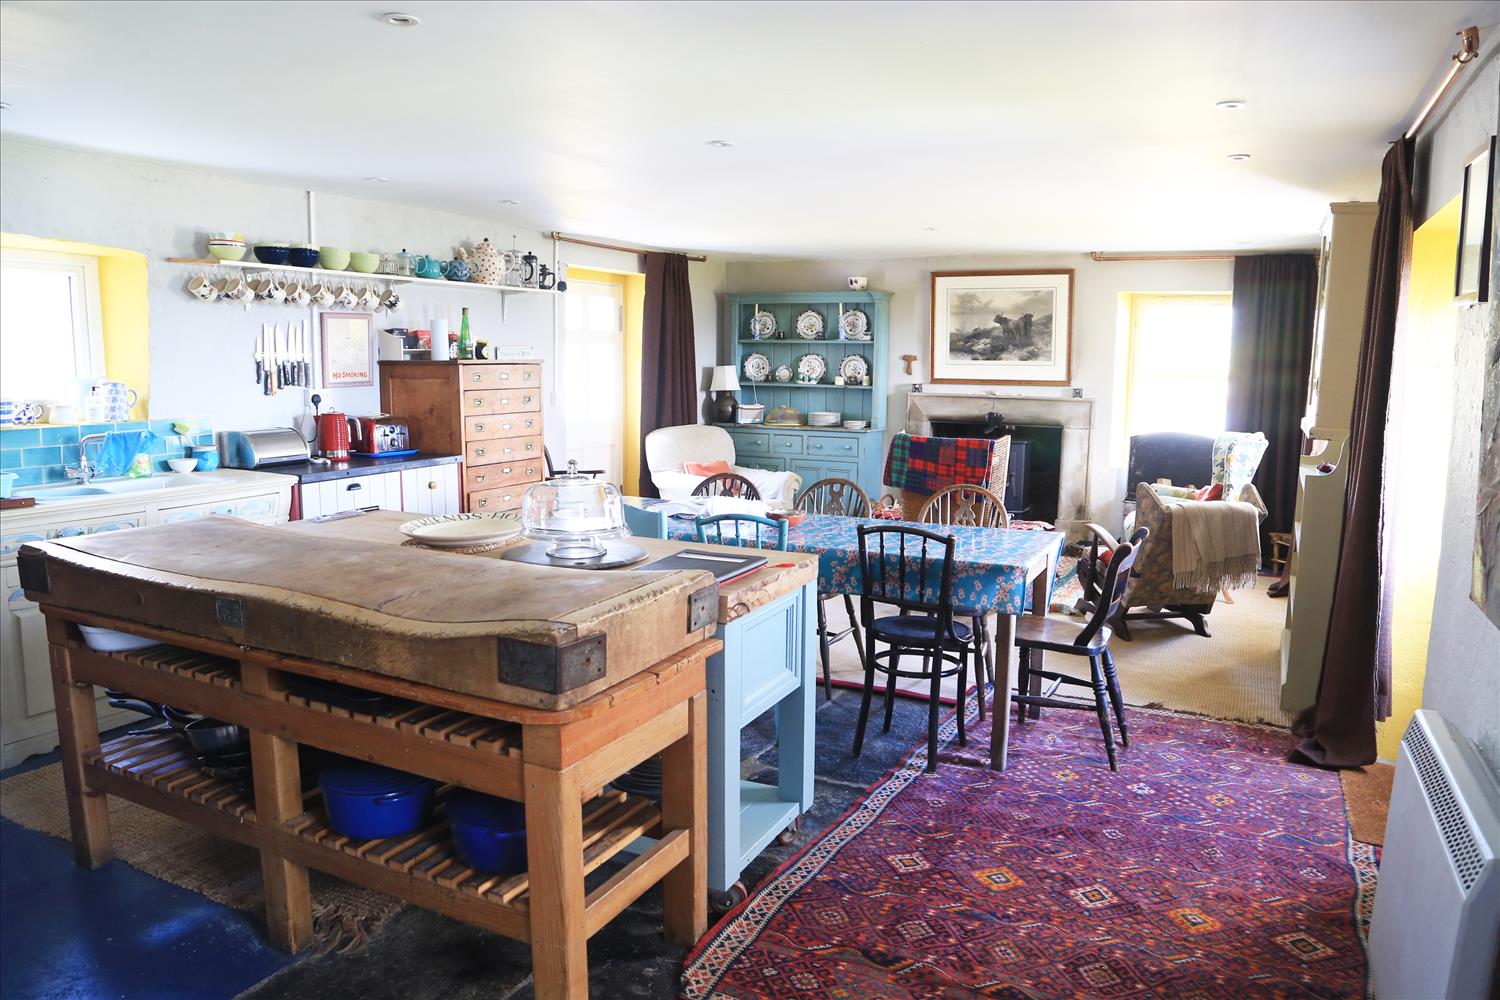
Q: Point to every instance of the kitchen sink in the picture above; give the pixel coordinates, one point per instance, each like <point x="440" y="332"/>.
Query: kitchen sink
<point x="123" y="485"/>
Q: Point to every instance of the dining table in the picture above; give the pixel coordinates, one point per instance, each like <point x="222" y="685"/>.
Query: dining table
<point x="995" y="570"/>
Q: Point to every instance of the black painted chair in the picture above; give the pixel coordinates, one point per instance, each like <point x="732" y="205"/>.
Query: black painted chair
<point x="911" y="570"/>
<point x="841" y="498"/>
<point x="1091" y="638"/>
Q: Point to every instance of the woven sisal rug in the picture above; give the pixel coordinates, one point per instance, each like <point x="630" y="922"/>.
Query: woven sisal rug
<point x="1207" y="867"/>
<point x="344" y="915"/>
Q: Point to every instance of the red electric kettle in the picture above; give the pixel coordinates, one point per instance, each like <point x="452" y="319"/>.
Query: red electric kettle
<point x="333" y="436"/>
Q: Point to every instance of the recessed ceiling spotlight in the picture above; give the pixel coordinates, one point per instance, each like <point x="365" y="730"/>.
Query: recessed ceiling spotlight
<point x="1234" y="104"/>
<point x="397" y="19"/>
<point x="719" y="143"/>
<point x="377" y="180"/>
<point x="509" y="201"/>
<point x="929" y="229"/>
<point x="1238" y="157"/>
<point x="4" y="105"/>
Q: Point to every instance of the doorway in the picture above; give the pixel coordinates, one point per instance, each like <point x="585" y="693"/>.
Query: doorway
<point x="593" y="355"/>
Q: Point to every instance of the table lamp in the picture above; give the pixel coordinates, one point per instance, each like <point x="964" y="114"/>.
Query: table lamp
<point x="726" y="382"/>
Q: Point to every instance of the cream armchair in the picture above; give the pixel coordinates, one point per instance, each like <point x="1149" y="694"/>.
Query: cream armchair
<point x="669" y="449"/>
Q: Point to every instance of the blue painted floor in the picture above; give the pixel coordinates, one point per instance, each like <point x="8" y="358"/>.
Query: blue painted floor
<point x="71" y="934"/>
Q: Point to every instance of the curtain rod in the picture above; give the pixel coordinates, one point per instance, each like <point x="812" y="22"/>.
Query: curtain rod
<point x="1468" y="49"/>
<point x="1103" y="257"/>
<point x="612" y="246"/>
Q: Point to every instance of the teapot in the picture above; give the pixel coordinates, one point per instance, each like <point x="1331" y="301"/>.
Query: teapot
<point x="424" y="266"/>
<point x="458" y="267"/>
<point x="486" y="264"/>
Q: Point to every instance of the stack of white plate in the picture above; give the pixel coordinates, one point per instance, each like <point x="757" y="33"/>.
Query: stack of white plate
<point x="855" y="425"/>
<point x="823" y="418"/>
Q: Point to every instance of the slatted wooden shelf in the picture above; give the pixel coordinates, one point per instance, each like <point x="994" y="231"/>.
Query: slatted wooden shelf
<point x="430" y="721"/>
<point x="160" y="764"/>
<point x="187" y="663"/>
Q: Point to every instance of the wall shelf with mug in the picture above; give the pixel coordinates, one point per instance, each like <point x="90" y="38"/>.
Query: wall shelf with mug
<point x="504" y="291"/>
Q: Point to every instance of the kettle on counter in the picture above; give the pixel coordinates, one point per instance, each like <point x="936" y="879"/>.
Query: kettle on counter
<point x="333" y="435"/>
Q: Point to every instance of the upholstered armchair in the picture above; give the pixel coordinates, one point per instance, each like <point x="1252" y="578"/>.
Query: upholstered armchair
<point x="1153" y="593"/>
<point x="669" y="450"/>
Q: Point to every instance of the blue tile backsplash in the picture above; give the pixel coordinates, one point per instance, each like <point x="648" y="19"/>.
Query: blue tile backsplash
<point x="39" y="455"/>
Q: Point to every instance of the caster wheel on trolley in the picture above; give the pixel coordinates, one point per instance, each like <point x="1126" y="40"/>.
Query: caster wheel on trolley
<point x="790" y="834"/>
<point x="722" y="902"/>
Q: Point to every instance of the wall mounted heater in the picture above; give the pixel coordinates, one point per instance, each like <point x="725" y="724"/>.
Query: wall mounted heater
<point x="1436" y="928"/>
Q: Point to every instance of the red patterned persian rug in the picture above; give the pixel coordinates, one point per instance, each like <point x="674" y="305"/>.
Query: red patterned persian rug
<point x="1208" y="867"/>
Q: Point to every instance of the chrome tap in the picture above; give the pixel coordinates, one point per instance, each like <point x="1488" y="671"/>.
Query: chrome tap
<point x="83" y="472"/>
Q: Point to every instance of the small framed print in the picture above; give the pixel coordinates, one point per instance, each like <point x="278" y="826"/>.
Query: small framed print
<point x="1476" y="226"/>
<point x="1002" y="327"/>
<point x="348" y="349"/>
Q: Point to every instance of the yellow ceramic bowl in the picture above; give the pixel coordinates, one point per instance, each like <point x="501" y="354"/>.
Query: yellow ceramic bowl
<point x="364" y="263"/>
<point x="333" y="258"/>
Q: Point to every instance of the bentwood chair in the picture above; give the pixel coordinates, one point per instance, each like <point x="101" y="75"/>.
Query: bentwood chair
<point x="1091" y="639"/>
<point x="727" y="484"/>
<point x="743" y="529"/>
<point x="841" y="498"/>
<point x="552" y="472"/>
<point x="973" y="507"/>
<point x="912" y="570"/>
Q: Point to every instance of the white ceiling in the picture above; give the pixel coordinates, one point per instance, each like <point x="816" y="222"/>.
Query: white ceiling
<point x="860" y="129"/>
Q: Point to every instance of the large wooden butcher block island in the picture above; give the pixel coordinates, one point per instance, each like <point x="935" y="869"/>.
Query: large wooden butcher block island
<point x="536" y="684"/>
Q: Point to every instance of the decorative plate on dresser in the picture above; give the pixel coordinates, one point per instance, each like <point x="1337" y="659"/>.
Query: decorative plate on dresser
<point x="810" y="325"/>
<point x="811" y="368"/>
<point x="783" y="373"/>
<point x="757" y="367"/>
<point x="854" y="368"/>
<point x="855" y="324"/>
<point x="762" y="325"/>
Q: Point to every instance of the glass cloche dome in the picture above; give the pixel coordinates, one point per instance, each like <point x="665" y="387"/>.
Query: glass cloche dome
<point x="574" y="513"/>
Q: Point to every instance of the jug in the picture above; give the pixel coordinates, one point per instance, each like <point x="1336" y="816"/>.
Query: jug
<point x="428" y="267"/>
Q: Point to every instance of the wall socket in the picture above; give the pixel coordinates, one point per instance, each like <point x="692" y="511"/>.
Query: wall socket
<point x="1077" y="392"/>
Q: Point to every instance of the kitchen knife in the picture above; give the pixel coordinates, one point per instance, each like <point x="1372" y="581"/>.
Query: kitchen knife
<point x="274" y="372"/>
<point x="304" y="357"/>
<point x="260" y="356"/>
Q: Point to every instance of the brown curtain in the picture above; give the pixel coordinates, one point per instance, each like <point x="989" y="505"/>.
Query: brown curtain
<point x="1269" y="356"/>
<point x="669" y="363"/>
<point x="1354" y="690"/>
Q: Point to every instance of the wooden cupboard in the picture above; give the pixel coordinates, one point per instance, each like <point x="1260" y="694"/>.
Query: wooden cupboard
<point x="488" y="411"/>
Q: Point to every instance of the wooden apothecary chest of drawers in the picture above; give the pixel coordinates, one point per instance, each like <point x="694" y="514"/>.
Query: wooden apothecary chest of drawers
<point x="490" y="412"/>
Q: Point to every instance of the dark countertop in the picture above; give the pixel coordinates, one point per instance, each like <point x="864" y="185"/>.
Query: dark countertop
<point x="357" y="465"/>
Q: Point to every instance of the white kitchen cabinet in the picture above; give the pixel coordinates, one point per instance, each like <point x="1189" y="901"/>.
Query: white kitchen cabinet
<point x="28" y="722"/>
<point x="432" y="489"/>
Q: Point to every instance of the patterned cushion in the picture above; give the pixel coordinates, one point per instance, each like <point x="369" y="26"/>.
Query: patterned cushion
<point x="1236" y="457"/>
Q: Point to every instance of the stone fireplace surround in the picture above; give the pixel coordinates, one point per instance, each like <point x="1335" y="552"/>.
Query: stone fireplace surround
<point x="1074" y="416"/>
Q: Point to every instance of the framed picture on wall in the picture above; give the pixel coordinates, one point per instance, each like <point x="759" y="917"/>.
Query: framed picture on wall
<point x="1002" y="327"/>
<point x="348" y="349"/>
<point x="1476" y="226"/>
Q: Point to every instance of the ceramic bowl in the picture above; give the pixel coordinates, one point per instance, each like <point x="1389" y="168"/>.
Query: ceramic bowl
<point x="302" y="257"/>
<point x="333" y="258"/>
<point x="235" y="237"/>
<point x="182" y="464"/>
<point x="227" y="251"/>
<point x="364" y="263"/>
<point x="791" y="517"/>
<point x="272" y="253"/>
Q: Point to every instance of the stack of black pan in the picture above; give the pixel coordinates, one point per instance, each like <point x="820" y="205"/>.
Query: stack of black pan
<point x="222" y="749"/>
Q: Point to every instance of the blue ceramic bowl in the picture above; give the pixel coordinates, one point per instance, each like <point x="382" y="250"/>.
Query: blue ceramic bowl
<point x="366" y="800"/>
<point x="489" y="833"/>
<point x="271" y="254"/>
<point x="299" y="257"/>
<point x="207" y="456"/>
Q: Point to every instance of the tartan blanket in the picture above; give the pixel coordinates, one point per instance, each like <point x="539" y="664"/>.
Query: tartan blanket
<point x="928" y="464"/>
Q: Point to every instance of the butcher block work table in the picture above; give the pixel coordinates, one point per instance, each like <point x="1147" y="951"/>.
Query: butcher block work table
<point x="540" y="685"/>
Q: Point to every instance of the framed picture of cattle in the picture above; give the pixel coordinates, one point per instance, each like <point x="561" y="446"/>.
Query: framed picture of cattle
<point x="1002" y="327"/>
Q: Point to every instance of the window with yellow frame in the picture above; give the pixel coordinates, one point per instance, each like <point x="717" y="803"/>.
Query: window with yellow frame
<point x="1178" y="363"/>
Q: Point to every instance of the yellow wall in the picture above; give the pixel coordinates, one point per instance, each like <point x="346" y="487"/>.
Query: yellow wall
<point x="633" y="289"/>
<point x="1417" y="441"/>
<point x="123" y="309"/>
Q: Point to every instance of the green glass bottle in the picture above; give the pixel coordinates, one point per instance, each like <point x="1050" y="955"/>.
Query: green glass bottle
<point x="465" y="341"/>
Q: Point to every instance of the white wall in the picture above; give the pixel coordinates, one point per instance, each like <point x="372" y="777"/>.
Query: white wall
<point x="1463" y="649"/>
<point x="201" y="363"/>
<point x="1099" y="348"/>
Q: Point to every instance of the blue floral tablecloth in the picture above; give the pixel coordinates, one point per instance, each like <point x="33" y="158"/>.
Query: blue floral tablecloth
<point x="989" y="569"/>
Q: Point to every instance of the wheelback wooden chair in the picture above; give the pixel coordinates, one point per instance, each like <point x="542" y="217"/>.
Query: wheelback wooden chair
<point x="842" y="498"/>
<point x="974" y="507"/>
<point x="727" y="484"/>
<point x="1091" y="638"/>
<point x="912" y="570"/>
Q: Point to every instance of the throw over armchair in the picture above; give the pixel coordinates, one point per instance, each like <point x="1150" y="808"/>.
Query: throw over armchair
<point x="1153" y="593"/>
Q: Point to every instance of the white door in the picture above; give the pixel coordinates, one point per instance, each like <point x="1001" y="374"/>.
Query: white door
<point x="593" y="355"/>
